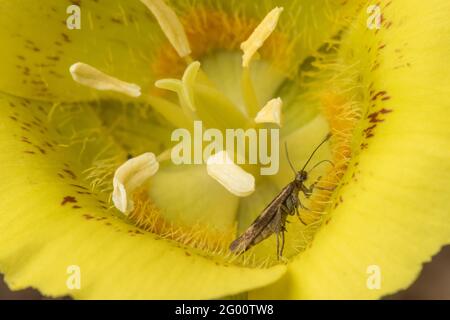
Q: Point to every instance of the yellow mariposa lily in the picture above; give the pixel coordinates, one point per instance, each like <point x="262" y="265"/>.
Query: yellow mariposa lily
<point x="76" y="105"/>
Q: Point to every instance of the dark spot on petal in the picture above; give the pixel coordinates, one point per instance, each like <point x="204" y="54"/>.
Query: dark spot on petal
<point x="53" y="58"/>
<point x="70" y="173"/>
<point x="79" y="187"/>
<point x="380" y="93"/>
<point x="68" y="199"/>
<point x="65" y="36"/>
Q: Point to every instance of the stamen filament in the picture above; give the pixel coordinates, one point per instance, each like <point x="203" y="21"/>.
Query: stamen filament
<point x="170" y="111"/>
<point x="249" y="94"/>
<point x="176" y="86"/>
<point x="202" y="101"/>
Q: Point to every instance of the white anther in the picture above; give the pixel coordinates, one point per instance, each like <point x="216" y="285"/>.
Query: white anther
<point x="271" y="112"/>
<point x="260" y="35"/>
<point x="170" y="25"/>
<point x="236" y="180"/>
<point x="93" y="78"/>
<point x="129" y="177"/>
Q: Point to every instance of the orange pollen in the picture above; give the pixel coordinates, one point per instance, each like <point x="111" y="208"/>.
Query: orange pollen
<point x="342" y="118"/>
<point x="148" y="217"/>
<point x="211" y="30"/>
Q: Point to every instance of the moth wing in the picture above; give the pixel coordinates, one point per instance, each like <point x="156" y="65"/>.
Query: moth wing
<point x="247" y="239"/>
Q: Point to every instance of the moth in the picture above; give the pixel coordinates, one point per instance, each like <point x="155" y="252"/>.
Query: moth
<point x="272" y="219"/>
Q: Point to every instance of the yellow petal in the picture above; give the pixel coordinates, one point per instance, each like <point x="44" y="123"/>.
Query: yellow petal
<point x="52" y="218"/>
<point x="393" y="215"/>
<point x="116" y="37"/>
<point x="119" y="38"/>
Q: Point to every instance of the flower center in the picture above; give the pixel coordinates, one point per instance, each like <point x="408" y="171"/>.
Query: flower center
<point x="225" y="86"/>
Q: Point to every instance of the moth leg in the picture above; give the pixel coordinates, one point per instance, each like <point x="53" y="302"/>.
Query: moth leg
<point x="282" y="243"/>
<point x="280" y="228"/>
<point x="302" y="206"/>
<point x="280" y="247"/>
<point x="285" y="209"/>
<point x="296" y="202"/>
<point x="277" y="232"/>
<point x="300" y="217"/>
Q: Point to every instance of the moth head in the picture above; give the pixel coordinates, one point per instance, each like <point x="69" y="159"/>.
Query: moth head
<point x="301" y="176"/>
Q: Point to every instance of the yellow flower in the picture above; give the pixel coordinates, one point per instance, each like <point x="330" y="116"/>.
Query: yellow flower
<point x="76" y="105"/>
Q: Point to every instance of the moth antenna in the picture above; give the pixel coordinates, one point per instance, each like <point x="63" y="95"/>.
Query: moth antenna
<point x="288" y="159"/>
<point x="319" y="163"/>
<point x="317" y="148"/>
